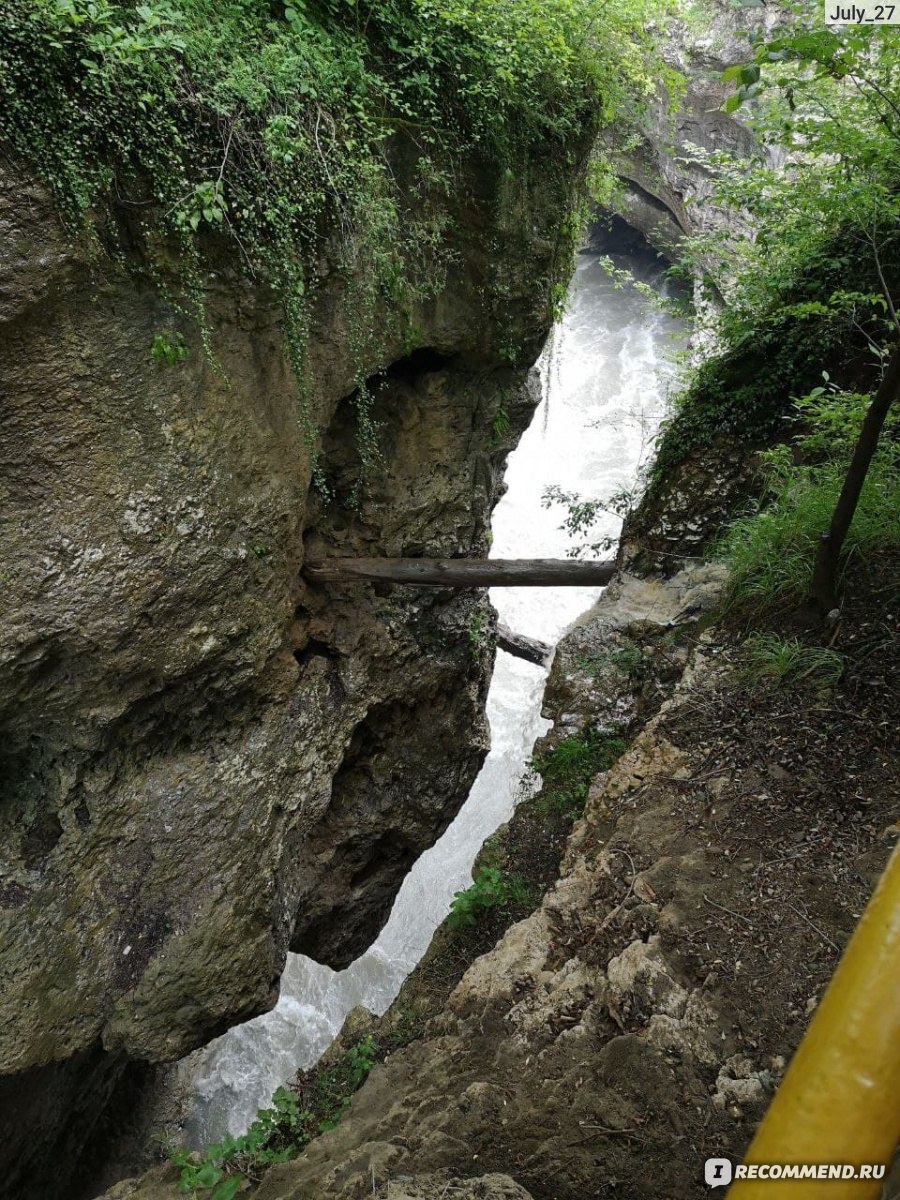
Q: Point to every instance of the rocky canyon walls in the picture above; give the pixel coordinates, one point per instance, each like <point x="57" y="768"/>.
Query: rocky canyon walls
<point x="667" y="190"/>
<point x="203" y="760"/>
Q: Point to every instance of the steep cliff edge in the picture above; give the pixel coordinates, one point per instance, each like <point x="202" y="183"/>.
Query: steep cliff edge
<point x="205" y="761"/>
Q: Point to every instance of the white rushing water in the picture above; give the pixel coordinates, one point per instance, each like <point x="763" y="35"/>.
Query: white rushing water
<point x="604" y="395"/>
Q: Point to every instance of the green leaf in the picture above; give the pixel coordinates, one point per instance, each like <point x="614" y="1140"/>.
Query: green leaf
<point x="227" y="1189"/>
<point x="208" y="1175"/>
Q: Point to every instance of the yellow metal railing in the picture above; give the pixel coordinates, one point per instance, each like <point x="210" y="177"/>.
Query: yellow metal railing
<point x="840" y="1099"/>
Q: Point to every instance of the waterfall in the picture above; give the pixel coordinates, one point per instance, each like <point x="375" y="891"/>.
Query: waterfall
<point x="603" y="397"/>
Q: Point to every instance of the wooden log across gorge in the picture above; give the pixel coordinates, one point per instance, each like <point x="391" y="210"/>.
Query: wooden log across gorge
<point x="463" y="572"/>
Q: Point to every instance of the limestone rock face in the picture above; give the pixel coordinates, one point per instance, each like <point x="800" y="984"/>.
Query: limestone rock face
<point x="667" y="192"/>
<point x="203" y="760"/>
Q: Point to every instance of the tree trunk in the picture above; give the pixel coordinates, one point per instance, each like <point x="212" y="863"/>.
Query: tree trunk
<point x="463" y="572"/>
<point x="825" y="572"/>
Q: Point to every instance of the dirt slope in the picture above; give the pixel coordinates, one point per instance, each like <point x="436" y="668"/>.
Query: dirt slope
<point x="638" y="1021"/>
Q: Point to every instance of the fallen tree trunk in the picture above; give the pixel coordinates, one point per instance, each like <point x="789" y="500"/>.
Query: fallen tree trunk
<point x="463" y="572"/>
<point x="521" y="646"/>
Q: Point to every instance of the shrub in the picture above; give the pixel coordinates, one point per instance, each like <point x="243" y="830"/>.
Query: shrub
<point x="490" y="890"/>
<point x="567" y="770"/>
<point x="279" y="1133"/>
<point x="771" y="551"/>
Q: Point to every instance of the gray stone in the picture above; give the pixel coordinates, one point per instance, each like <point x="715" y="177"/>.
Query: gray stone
<point x="203" y="760"/>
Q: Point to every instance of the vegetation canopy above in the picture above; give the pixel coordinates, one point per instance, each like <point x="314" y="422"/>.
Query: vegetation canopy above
<point x="273" y="124"/>
<point x="810" y="270"/>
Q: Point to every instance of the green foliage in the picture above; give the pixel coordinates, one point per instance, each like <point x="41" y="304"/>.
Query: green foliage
<point x="476" y="628"/>
<point x="630" y="660"/>
<point x="787" y="660"/>
<point x="809" y="266"/>
<point x="490" y="890"/>
<point x="567" y="770"/>
<point x="830" y="420"/>
<point x="500" y="427"/>
<point x="169" y="348"/>
<point x="829" y="96"/>
<point x="279" y="1133"/>
<point x="582" y="514"/>
<point x="745" y="392"/>
<point x="622" y="277"/>
<point x="771" y="550"/>
<point x="334" y="1086"/>
<point x="199" y="132"/>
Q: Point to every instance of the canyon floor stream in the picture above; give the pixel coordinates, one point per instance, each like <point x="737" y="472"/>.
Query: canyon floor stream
<point x="604" y="393"/>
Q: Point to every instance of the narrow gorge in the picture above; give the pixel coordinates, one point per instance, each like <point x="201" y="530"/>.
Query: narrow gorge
<point x="184" y="802"/>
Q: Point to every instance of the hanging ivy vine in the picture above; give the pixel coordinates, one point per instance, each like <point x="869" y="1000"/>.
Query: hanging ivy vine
<point x="271" y="126"/>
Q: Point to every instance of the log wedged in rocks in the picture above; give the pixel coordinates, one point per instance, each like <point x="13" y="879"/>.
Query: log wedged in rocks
<point x="521" y="646"/>
<point x="463" y="572"/>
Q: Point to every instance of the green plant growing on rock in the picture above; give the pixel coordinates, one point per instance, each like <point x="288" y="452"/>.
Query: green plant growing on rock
<point x="630" y="660"/>
<point x="276" y="1136"/>
<point x="477" y="625"/>
<point x="280" y="1132"/>
<point x="566" y="771"/>
<point x="336" y="1084"/>
<point x="500" y="427"/>
<point x="169" y="348"/>
<point x="491" y="889"/>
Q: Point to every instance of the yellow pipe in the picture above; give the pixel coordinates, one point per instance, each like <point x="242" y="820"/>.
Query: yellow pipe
<point x="840" y="1099"/>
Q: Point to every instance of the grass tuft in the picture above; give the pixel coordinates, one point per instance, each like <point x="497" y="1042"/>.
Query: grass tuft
<point x="771" y="551"/>
<point x="787" y="660"/>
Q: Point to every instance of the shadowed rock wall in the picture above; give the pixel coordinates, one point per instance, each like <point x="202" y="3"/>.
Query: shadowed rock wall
<point x="203" y="761"/>
<point x="667" y="192"/>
